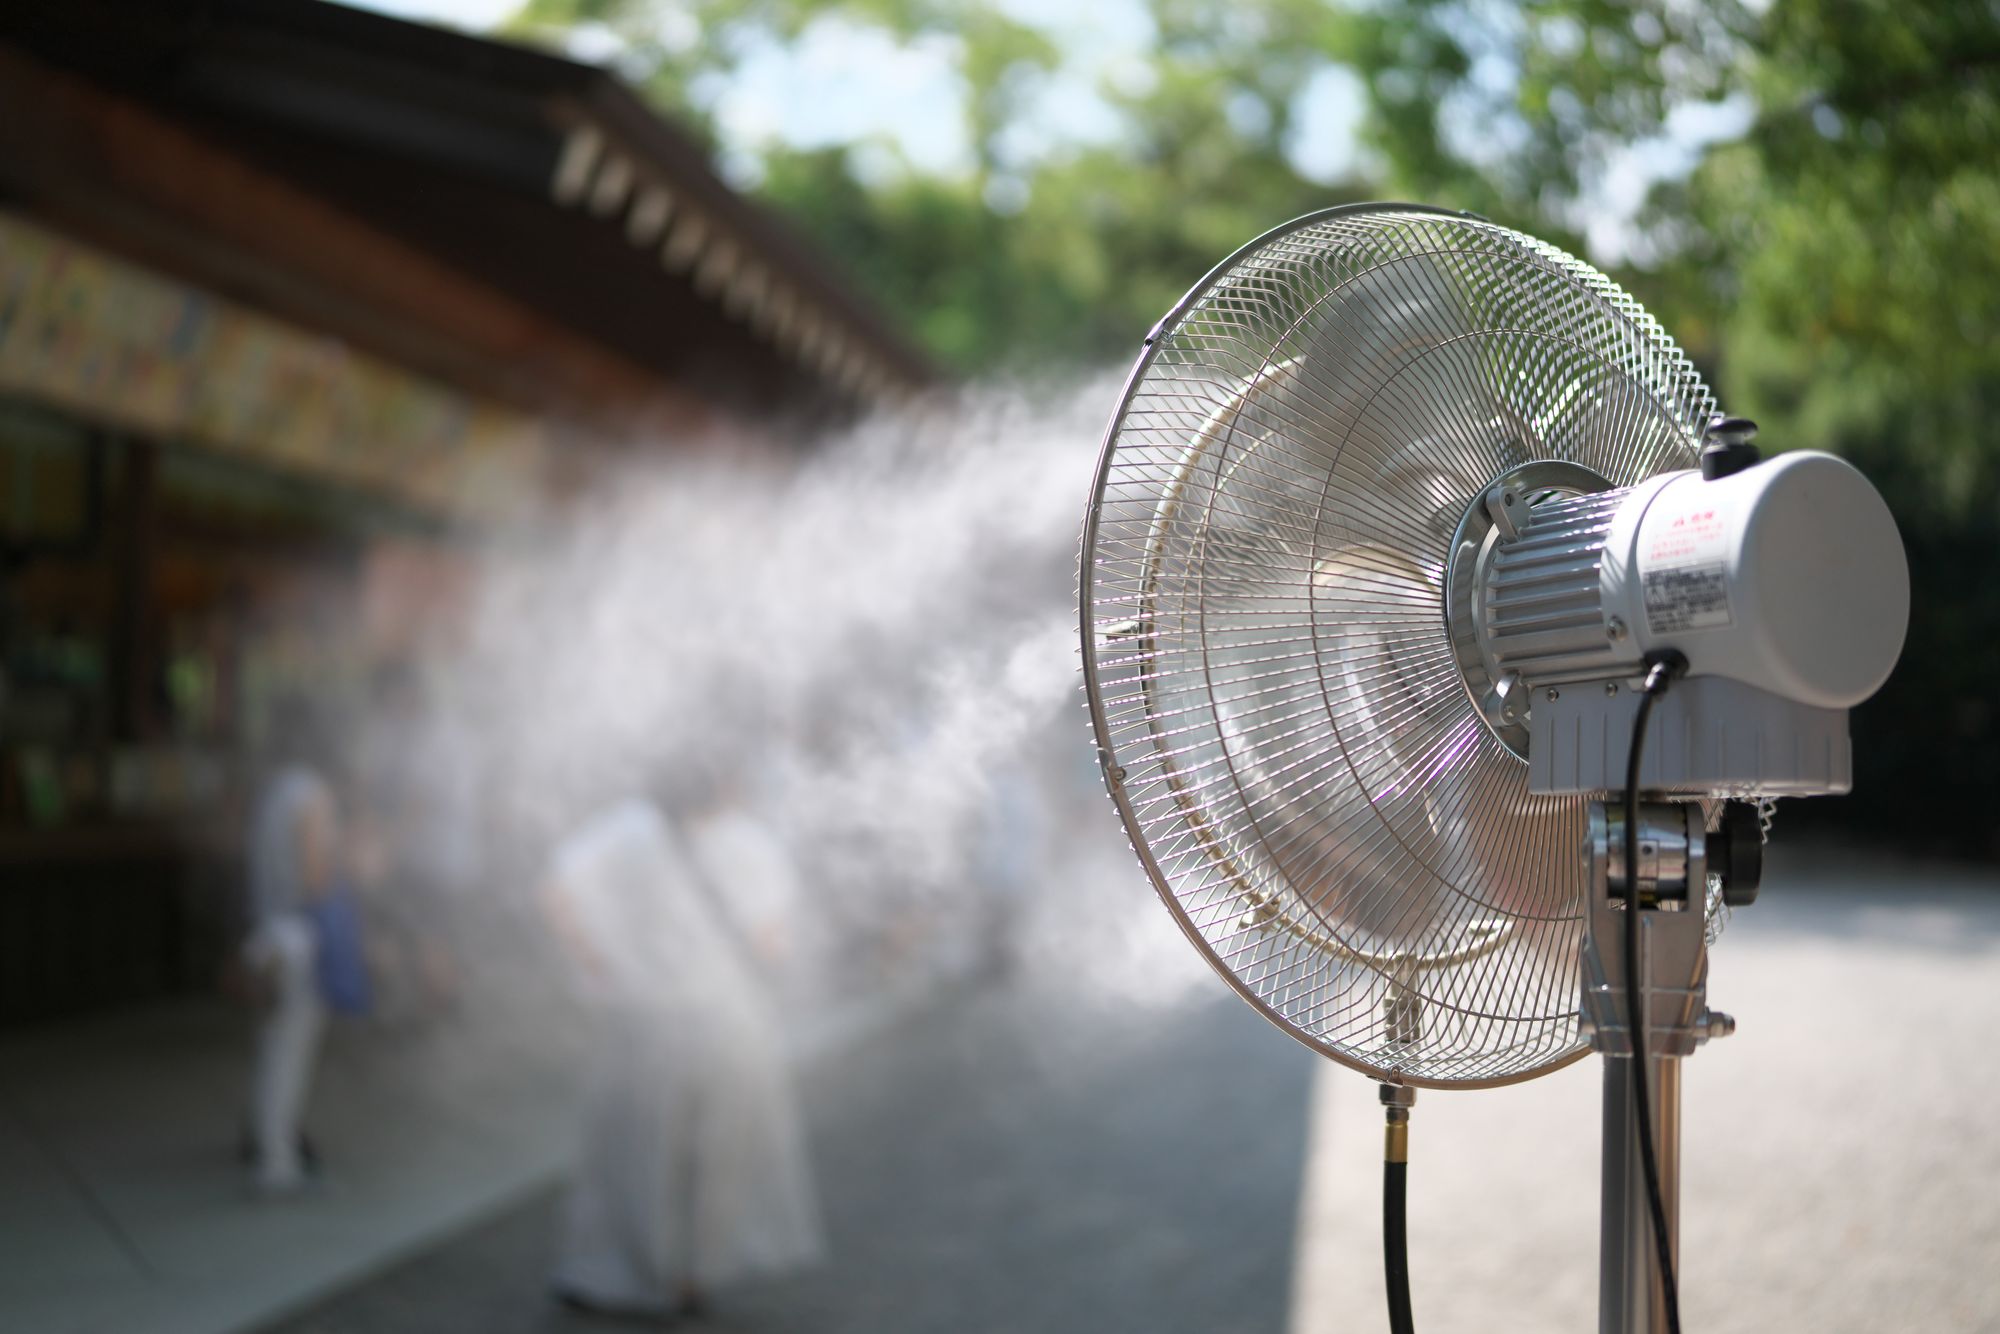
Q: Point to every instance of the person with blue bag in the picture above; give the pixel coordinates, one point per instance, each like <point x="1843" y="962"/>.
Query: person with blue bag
<point x="344" y="985"/>
<point x="303" y="954"/>
<point x="294" y="837"/>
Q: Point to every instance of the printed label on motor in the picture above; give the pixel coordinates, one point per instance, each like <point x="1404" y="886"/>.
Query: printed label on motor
<point x="1687" y="598"/>
<point x="1684" y="535"/>
<point x="1683" y="557"/>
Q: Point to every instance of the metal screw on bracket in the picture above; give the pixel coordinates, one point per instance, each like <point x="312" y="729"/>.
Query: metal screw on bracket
<point x="1610" y="687"/>
<point x="1554" y="694"/>
<point x="1615" y="628"/>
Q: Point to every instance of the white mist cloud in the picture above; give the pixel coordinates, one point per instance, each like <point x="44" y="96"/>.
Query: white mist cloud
<point x="875" y="645"/>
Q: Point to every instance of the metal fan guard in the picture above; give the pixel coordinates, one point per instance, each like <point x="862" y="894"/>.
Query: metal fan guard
<point x="1478" y="988"/>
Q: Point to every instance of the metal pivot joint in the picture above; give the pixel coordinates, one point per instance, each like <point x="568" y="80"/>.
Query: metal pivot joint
<point x="1673" y="948"/>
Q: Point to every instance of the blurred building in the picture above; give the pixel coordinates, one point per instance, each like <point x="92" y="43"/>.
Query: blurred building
<point x="296" y="303"/>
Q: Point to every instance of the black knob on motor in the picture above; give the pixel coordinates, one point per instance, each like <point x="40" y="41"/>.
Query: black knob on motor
<point x="1725" y="446"/>
<point x="1736" y="853"/>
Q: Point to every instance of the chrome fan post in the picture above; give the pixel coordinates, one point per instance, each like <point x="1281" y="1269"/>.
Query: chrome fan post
<point x="1672" y="973"/>
<point x="1631" y="1297"/>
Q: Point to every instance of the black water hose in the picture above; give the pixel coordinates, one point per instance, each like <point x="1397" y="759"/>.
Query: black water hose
<point x="1395" y="1246"/>
<point x="1395" y="1207"/>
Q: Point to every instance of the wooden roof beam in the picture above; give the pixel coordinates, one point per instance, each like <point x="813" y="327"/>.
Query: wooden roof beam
<point x="127" y="177"/>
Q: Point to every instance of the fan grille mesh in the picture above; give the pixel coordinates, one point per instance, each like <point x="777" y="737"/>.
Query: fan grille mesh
<point x="1276" y="698"/>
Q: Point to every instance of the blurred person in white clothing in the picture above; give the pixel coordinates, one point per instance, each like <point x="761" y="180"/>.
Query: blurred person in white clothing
<point x="693" y="1172"/>
<point x="1008" y="856"/>
<point x="292" y="860"/>
<point x="747" y="864"/>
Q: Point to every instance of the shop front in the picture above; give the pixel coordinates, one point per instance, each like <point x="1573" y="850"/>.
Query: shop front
<point x="300" y="307"/>
<point x="204" y="512"/>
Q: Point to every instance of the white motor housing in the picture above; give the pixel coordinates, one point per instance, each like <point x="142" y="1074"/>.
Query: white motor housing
<point x="1784" y="586"/>
<point x="1788" y="576"/>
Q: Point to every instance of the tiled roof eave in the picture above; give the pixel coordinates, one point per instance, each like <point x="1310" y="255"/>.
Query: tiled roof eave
<point x="671" y="204"/>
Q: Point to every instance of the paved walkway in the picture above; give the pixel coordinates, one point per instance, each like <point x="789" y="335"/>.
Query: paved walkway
<point x="1048" y="1157"/>
<point x="122" y="1207"/>
<point x="1002" y="1162"/>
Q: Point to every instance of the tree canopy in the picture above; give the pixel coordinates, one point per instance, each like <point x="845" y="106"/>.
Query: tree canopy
<point x="1821" y="231"/>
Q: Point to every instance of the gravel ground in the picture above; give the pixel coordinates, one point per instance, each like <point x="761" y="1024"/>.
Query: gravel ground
<point x="1842" y="1150"/>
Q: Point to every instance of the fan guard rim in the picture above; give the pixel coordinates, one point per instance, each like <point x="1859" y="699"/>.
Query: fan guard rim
<point x="1107" y="752"/>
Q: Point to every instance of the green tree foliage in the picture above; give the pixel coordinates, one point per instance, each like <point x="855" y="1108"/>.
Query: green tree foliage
<point x="1024" y="260"/>
<point x="1832" y="261"/>
<point x="1838" y="266"/>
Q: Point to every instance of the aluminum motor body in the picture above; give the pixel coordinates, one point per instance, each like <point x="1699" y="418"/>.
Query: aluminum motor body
<point x="1783" y="586"/>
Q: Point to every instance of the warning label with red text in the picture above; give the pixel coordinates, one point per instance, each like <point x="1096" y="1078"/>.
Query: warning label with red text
<point x="1684" y="564"/>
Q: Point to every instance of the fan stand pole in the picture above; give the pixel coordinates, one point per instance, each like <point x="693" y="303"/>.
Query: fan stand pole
<point x="1673" y="983"/>
<point x="1630" y="1297"/>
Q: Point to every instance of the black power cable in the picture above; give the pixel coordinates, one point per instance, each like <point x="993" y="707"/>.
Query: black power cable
<point x="1661" y="671"/>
